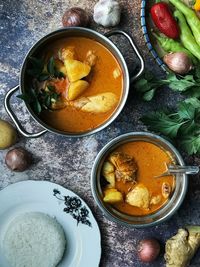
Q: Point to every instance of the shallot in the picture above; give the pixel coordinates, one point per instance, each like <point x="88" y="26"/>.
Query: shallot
<point x="179" y="62"/>
<point x="148" y="250"/>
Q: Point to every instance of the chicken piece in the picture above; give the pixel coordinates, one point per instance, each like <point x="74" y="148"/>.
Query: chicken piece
<point x="139" y="197"/>
<point x="76" y="70"/>
<point x="166" y="190"/>
<point x="100" y="103"/>
<point x="155" y="200"/>
<point x="76" y="89"/>
<point x="112" y="196"/>
<point x="108" y="171"/>
<point x="91" y="58"/>
<point x="67" y="53"/>
<point x="126" y="166"/>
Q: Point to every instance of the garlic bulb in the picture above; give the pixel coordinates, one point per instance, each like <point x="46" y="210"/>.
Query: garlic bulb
<point x="107" y="13"/>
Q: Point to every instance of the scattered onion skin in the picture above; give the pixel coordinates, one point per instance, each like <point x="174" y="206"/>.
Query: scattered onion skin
<point x="18" y="159"/>
<point x="75" y="17"/>
<point x="179" y="62"/>
<point x="148" y="250"/>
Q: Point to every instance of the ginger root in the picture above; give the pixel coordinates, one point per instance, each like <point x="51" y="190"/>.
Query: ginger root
<point x="180" y="248"/>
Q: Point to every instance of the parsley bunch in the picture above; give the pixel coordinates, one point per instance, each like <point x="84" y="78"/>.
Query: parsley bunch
<point x="182" y="126"/>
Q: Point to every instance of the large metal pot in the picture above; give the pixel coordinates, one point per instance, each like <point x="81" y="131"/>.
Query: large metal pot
<point x="166" y="211"/>
<point x="83" y="32"/>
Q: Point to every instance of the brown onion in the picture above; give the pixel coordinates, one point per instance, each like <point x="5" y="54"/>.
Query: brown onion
<point x="18" y="159"/>
<point x="179" y="62"/>
<point x="75" y="16"/>
<point x="148" y="250"/>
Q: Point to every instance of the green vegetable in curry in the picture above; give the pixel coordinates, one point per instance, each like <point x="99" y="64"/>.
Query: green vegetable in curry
<point x="190" y="16"/>
<point x="186" y="36"/>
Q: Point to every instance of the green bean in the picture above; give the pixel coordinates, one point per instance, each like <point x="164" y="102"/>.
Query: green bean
<point x="186" y="35"/>
<point x="191" y="17"/>
<point x="170" y="45"/>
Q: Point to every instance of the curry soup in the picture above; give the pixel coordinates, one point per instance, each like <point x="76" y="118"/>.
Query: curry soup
<point x="151" y="161"/>
<point x="105" y="76"/>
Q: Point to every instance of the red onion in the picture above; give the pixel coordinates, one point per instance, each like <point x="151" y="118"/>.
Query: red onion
<point x="75" y="16"/>
<point x="148" y="250"/>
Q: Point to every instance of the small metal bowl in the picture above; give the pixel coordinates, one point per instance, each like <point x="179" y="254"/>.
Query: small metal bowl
<point x="165" y="212"/>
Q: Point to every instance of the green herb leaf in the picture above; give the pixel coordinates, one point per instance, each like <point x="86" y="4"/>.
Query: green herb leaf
<point x="37" y="106"/>
<point x="191" y="144"/>
<point x="24" y="97"/>
<point x="51" y="66"/>
<point x="161" y="122"/>
<point x="148" y="96"/>
<point x="43" y="77"/>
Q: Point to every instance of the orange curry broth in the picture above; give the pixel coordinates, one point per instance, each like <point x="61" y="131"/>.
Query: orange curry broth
<point x="151" y="161"/>
<point x="74" y="120"/>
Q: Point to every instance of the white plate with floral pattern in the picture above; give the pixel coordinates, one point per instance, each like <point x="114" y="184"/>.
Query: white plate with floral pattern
<point x="81" y="229"/>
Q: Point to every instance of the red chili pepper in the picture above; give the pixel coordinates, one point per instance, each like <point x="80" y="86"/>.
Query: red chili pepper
<point x="164" y="20"/>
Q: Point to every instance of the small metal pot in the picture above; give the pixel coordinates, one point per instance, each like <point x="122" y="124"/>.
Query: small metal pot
<point x="83" y="32"/>
<point x="165" y="212"/>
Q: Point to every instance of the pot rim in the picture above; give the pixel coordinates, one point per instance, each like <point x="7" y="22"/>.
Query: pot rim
<point x="113" y="217"/>
<point x="120" y="59"/>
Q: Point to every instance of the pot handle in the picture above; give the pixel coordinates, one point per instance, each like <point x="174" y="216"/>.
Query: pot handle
<point x="14" y="117"/>
<point x="133" y="45"/>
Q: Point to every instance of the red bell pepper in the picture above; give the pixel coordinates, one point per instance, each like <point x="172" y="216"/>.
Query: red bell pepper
<point x="164" y="20"/>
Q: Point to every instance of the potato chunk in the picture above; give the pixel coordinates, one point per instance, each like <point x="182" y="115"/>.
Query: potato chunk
<point x="76" y="89"/>
<point x="139" y="197"/>
<point x="108" y="171"/>
<point x="76" y="70"/>
<point x="112" y="196"/>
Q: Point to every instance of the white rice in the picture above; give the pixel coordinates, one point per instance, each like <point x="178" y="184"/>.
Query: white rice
<point x="34" y="240"/>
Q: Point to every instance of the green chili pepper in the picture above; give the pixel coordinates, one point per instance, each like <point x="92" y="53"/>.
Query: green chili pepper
<point x="170" y="45"/>
<point x="191" y="18"/>
<point x="186" y="36"/>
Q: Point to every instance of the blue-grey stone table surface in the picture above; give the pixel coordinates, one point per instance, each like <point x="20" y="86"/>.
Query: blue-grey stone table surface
<point x="68" y="161"/>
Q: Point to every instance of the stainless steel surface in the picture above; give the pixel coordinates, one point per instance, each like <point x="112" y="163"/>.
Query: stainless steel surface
<point x="63" y="33"/>
<point x="176" y="169"/>
<point x="14" y="117"/>
<point x="136" y="50"/>
<point x="162" y="214"/>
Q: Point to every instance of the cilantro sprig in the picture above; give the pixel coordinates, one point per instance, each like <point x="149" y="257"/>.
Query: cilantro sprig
<point x="189" y="84"/>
